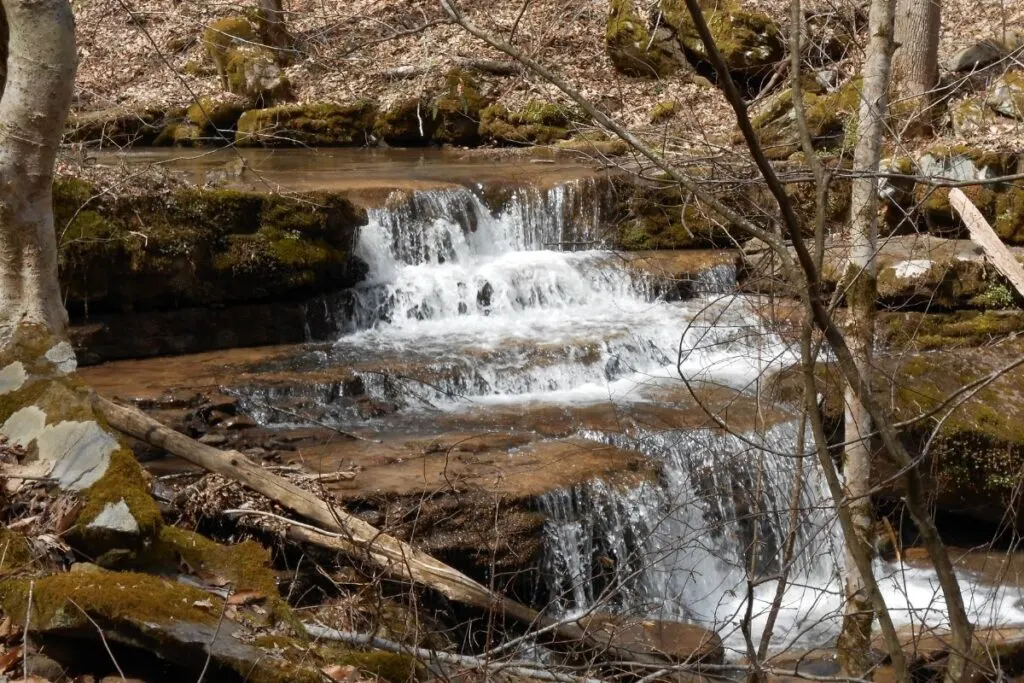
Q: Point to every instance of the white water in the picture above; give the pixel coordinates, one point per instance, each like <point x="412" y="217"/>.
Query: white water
<point x="503" y="310"/>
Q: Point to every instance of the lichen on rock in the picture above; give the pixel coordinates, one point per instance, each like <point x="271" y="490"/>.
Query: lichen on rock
<point x="631" y="48"/>
<point x="538" y="123"/>
<point x="748" y="41"/>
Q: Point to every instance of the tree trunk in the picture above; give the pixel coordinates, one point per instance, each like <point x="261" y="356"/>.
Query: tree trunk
<point x="916" y="61"/>
<point x="41" y="61"/>
<point x="855" y="639"/>
<point x="273" y="29"/>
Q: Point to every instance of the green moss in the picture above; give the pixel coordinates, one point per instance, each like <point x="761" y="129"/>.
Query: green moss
<point x="997" y="296"/>
<point x="15" y="553"/>
<point x="124" y="480"/>
<point x="539" y="123"/>
<point x="456" y="110"/>
<point x="748" y="41"/>
<point x="1009" y="215"/>
<point x="829" y="119"/>
<point x="138" y="598"/>
<point x="315" y="125"/>
<point x="664" y="218"/>
<point x="630" y="48"/>
<point x="406" y="123"/>
<point x="902" y="332"/>
<point x="664" y="110"/>
<point x="223" y="34"/>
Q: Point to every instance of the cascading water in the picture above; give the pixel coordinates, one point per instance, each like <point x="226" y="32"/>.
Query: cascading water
<point x="463" y="310"/>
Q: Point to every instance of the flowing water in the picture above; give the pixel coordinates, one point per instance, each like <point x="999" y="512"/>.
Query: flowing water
<point x="520" y="307"/>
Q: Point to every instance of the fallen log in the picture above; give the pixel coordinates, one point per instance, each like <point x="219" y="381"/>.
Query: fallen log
<point x="341" y="531"/>
<point x="984" y="236"/>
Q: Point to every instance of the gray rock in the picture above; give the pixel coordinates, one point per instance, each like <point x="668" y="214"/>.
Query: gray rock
<point x="1007" y="95"/>
<point x="80" y="452"/>
<point x="976" y="56"/>
<point x="12" y="377"/>
<point x="42" y="666"/>
<point x="213" y="439"/>
<point x="116" y="517"/>
<point x="62" y="355"/>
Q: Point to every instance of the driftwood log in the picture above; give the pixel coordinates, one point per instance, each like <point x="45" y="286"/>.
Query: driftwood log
<point x="346" y="533"/>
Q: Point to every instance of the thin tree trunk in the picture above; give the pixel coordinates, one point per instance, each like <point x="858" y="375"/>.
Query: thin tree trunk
<point x="916" y="61"/>
<point x="855" y="639"/>
<point x="41" y="61"/>
<point x="273" y="29"/>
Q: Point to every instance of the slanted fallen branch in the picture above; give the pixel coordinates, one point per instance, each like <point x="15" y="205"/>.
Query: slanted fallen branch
<point x="985" y="237"/>
<point x="338" y="530"/>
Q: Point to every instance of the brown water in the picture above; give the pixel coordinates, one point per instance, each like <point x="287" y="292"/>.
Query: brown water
<point x="353" y="168"/>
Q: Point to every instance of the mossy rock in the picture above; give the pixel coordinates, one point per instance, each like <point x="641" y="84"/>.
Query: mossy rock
<point x="1006" y="96"/>
<point x="312" y="125"/>
<point x="666" y="218"/>
<point x="631" y="49"/>
<point x="749" y="42"/>
<point x="971" y="117"/>
<point x="406" y="123"/>
<point x="223" y="35"/>
<point x="538" y="123"/>
<point x="199" y="247"/>
<point x="900" y="332"/>
<point x="216" y="113"/>
<point x="829" y="118"/>
<point x="456" y="110"/>
<point x="15" y="554"/>
<point x="252" y="72"/>
<point x="665" y="110"/>
<point x="1009" y="215"/>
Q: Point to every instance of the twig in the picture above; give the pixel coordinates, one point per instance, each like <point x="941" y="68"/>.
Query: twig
<point x="28" y="622"/>
<point x="209" y="648"/>
<point x="103" y="639"/>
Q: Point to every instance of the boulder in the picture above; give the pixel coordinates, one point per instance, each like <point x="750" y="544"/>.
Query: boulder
<point x="630" y="46"/>
<point x="977" y="56"/>
<point x="312" y="125"/>
<point x="971" y="117"/>
<point x="538" y="123"/>
<point x="830" y="119"/>
<point x="749" y="42"/>
<point x="120" y="126"/>
<point x="1006" y="95"/>
<point x="406" y="123"/>
<point x="252" y="72"/>
<point x="218" y="112"/>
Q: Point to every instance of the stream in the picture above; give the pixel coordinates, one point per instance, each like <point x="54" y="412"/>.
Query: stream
<point x="477" y="313"/>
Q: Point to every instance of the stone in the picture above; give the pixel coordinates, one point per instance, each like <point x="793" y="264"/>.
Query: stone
<point x="678" y="641"/>
<point x="252" y="72"/>
<point x="971" y="117"/>
<point x="633" y="50"/>
<point x="41" y="666"/>
<point x="116" y="517"/>
<point x="320" y="124"/>
<point x="213" y="439"/>
<point x="1006" y="95"/>
<point x="749" y="42"/>
<point x="62" y="355"/>
<point x="12" y="377"/>
<point x="979" y="55"/>
<point x="79" y="451"/>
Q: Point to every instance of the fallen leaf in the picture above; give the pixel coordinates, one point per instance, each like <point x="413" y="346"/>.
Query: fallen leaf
<point x="340" y="673"/>
<point x="6" y="628"/>
<point x="203" y="604"/>
<point x="246" y="597"/>
<point x="10" y="658"/>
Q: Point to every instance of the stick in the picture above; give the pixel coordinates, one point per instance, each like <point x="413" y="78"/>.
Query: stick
<point x="985" y="237"/>
<point x="340" y="531"/>
<point x="103" y="639"/>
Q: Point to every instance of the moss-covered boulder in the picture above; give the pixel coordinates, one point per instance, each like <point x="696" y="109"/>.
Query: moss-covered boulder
<point x="665" y="110"/>
<point x="456" y="110"/>
<point x="313" y="125"/>
<point x="748" y="41"/>
<point x="632" y="49"/>
<point x="225" y="34"/>
<point x="1006" y="95"/>
<point x="538" y="123"/>
<point x="971" y="117"/>
<point x="252" y="72"/>
<point x="199" y="247"/>
<point x="406" y="123"/>
<point x="831" y="119"/>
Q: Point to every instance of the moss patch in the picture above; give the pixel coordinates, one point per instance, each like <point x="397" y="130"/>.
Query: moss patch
<point x="15" y="553"/>
<point x="407" y="123"/>
<point x="667" y="218"/>
<point x="211" y="113"/>
<point x="829" y="118"/>
<point x="456" y="110"/>
<point x="630" y="47"/>
<point x="197" y="247"/>
<point x="314" y="125"/>
<point x="539" y="123"/>
<point x="748" y="41"/>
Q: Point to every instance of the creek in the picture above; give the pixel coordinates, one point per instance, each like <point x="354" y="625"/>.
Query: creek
<point x="479" y="312"/>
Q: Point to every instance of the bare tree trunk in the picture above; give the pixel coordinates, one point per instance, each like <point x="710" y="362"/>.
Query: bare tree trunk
<point x="41" y="61"/>
<point x="916" y="61"/>
<point x="855" y="639"/>
<point x="273" y="29"/>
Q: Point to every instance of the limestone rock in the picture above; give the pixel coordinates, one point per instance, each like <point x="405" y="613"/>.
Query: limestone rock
<point x="1007" y="95"/>
<point x="539" y="123"/>
<point x="216" y="112"/>
<point x="407" y="123"/>
<point x="631" y="47"/>
<point x="979" y="55"/>
<point x="12" y="377"/>
<point x="457" y="109"/>
<point x="116" y="517"/>
<point x="252" y="72"/>
<point x="829" y="117"/>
